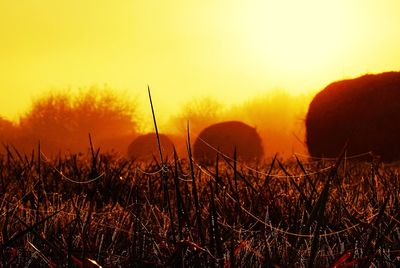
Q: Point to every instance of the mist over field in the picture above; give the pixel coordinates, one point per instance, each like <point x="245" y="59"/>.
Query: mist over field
<point x="62" y="120"/>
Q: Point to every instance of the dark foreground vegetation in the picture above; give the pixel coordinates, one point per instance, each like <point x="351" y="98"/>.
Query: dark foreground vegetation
<point x="99" y="210"/>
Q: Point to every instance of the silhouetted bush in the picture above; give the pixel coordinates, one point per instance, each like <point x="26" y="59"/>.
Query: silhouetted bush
<point x="279" y="117"/>
<point x="200" y="113"/>
<point x="364" y="112"/>
<point x="8" y="132"/>
<point x="224" y="137"/>
<point x="63" y="121"/>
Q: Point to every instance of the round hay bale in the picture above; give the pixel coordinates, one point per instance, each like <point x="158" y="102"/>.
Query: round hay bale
<point x="145" y="148"/>
<point x="224" y="137"/>
<point x="363" y="112"/>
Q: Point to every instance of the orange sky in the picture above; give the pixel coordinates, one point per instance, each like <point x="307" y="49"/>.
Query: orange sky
<point x="227" y="49"/>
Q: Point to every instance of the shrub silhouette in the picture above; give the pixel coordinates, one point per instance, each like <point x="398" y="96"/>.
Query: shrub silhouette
<point x="364" y="112"/>
<point x="199" y="112"/>
<point x="8" y="133"/>
<point x="63" y="121"/>
<point x="145" y="148"/>
<point x="224" y="137"/>
<point x="7" y="129"/>
<point x="279" y="117"/>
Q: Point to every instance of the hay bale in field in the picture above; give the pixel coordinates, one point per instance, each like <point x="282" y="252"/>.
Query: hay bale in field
<point x="145" y="148"/>
<point x="364" y="112"/>
<point x="224" y="137"/>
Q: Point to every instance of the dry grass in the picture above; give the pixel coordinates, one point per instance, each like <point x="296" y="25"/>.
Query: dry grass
<point x="96" y="210"/>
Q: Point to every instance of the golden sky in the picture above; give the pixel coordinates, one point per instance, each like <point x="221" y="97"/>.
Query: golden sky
<point x="228" y="49"/>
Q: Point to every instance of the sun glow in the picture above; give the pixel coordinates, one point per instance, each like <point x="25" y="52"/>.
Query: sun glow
<point x="294" y="35"/>
<point x="228" y="49"/>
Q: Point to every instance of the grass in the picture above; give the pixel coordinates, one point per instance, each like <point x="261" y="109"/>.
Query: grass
<point x="98" y="210"/>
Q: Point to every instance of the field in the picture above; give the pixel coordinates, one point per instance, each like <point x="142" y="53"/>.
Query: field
<point x="100" y="210"/>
